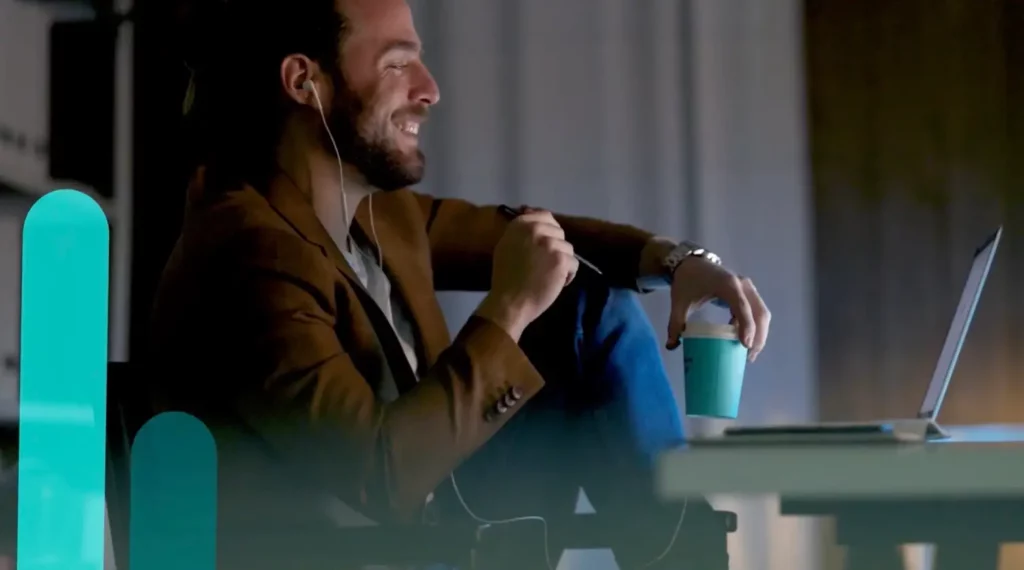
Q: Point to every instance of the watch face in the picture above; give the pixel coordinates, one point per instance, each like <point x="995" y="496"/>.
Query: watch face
<point x="688" y="249"/>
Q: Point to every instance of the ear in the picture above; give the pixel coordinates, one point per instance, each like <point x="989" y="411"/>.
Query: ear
<point x="296" y="69"/>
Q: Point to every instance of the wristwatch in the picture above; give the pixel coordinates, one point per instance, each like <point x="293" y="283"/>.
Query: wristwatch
<point x="684" y="251"/>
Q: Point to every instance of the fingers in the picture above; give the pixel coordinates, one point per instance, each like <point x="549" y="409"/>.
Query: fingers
<point x="572" y="267"/>
<point x="735" y="295"/>
<point x="677" y="320"/>
<point x="762" y="318"/>
<point x="538" y="216"/>
<point x="549" y="234"/>
<point x="539" y="229"/>
<point x="556" y="244"/>
<point x="541" y="225"/>
<point x="676" y="325"/>
<point x="750" y="315"/>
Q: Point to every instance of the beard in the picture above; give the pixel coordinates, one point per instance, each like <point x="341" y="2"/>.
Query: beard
<point x="367" y="146"/>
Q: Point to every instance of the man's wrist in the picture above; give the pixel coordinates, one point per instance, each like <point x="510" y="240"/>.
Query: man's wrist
<point x="651" y="273"/>
<point x="504" y="313"/>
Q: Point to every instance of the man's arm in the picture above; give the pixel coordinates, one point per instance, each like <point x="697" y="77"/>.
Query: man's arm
<point x="463" y="236"/>
<point x="652" y="263"/>
<point x="309" y="401"/>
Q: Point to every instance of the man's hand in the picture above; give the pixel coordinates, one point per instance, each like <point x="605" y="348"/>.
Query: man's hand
<point x="532" y="264"/>
<point x="698" y="281"/>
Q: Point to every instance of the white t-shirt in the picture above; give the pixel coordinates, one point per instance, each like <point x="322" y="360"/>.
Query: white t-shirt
<point x="376" y="282"/>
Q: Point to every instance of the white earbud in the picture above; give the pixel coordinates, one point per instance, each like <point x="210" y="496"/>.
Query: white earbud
<point x="307" y="85"/>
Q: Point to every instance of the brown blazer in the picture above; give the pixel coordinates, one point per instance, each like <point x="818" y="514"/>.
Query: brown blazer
<point x="259" y="331"/>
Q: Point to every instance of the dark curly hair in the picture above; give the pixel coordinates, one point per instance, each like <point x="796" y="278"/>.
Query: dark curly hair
<point x="235" y="107"/>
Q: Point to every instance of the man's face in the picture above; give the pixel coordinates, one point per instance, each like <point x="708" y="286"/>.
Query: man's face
<point x="383" y="95"/>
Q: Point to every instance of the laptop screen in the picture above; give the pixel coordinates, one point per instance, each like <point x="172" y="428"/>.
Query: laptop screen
<point x="958" y="330"/>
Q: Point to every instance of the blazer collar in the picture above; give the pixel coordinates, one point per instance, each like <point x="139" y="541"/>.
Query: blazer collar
<point x="297" y="209"/>
<point x="399" y="240"/>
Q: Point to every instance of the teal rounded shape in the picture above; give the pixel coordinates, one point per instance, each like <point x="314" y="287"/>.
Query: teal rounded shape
<point x="63" y="384"/>
<point x="173" y="523"/>
<point x="714" y="364"/>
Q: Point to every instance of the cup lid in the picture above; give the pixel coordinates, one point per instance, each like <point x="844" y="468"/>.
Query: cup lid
<point x="701" y="329"/>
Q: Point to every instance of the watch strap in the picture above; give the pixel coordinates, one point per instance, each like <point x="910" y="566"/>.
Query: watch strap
<point x="684" y="251"/>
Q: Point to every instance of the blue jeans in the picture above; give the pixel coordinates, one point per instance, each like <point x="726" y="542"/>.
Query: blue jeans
<point x="606" y="411"/>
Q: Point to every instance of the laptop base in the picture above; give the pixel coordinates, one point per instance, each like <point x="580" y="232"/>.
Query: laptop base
<point x="934" y="431"/>
<point x="893" y="431"/>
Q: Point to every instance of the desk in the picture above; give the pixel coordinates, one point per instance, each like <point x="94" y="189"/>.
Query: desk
<point x="966" y="494"/>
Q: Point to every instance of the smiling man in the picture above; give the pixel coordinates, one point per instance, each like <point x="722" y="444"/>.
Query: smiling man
<point x="298" y="317"/>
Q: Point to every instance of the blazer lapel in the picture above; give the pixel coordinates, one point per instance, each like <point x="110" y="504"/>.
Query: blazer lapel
<point x="406" y="252"/>
<point x="294" y="207"/>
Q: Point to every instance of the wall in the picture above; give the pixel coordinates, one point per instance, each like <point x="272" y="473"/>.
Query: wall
<point x="753" y="205"/>
<point x="10" y="303"/>
<point x="24" y="89"/>
<point x="24" y="95"/>
<point x="685" y="118"/>
<point x="23" y="128"/>
<point x="24" y="132"/>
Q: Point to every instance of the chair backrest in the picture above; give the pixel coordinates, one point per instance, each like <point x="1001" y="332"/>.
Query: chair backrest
<point x="129" y="408"/>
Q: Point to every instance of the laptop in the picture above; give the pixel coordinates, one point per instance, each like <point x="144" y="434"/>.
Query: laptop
<point x="924" y="426"/>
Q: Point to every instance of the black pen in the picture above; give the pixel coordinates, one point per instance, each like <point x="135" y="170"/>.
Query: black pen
<point x="512" y="214"/>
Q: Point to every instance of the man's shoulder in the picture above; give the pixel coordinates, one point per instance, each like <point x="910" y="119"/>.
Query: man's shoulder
<point x="232" y="252"/>
<point x="225" y="215"/>
<point x="238" y="230"/>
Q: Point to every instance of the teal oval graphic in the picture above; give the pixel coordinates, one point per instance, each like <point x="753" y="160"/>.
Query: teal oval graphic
<point x="63" y="386"/>
<point x="173" y="495"/>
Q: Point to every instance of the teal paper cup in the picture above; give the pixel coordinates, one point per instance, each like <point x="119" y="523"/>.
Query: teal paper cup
<point x="714" y="363"/>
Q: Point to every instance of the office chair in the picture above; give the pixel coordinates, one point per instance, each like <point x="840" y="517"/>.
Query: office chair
<point x="128" y="410"/>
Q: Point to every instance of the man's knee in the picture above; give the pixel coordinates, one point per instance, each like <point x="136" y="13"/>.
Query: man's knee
<point x="551" y="341"/>
<point x="560" y="343"/>
<point x="623" y="311"/>
<point x="589" y="317"/>
<point x="616" y="331"/>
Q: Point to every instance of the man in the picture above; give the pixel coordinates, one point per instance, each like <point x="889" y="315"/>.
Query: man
<point x="296" y="316"/>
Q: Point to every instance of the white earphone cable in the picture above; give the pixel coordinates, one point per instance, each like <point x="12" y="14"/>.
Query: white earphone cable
<point x="458" y="494"/>
<point x="341" y="169"/>
<point x="486" y="522"/>
<point x="543" y="521"/>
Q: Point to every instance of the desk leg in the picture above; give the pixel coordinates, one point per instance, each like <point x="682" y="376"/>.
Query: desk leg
<point x="966" y="556"/>
<point x="873" y="557"/>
